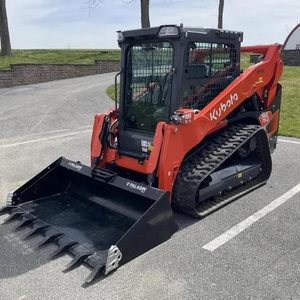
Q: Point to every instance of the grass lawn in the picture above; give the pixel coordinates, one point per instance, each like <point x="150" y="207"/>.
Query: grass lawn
<point x="110" y="91"/>
<point x="57" y="56"/>
<point x="290" y="108"/>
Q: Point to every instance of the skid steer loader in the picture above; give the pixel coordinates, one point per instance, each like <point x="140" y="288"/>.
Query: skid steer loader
<point x="191" y="130"/>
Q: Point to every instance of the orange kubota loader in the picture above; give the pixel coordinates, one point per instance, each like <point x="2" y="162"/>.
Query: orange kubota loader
<point x="191" y="130"/>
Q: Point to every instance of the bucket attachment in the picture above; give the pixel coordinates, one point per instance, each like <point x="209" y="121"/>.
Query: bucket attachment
<point x="100" y="218"/>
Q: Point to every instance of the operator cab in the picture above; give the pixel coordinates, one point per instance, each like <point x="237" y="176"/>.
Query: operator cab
<point x="166" y="68"/>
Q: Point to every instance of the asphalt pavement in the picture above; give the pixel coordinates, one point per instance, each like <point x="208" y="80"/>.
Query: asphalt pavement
<point x="246" y="250"/>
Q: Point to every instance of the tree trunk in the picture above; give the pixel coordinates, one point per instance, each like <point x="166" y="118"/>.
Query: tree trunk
<point x="4" y="33"/>
<point x="220" y="15"/>
<point x="145" y="13"/>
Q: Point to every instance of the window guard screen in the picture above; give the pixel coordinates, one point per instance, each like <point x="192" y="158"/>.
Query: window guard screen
<point x="209" y="68"/>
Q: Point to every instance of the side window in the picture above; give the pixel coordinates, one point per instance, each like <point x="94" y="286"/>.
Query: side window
<point x="208" y="70"/>
<point x="204" y="60"/>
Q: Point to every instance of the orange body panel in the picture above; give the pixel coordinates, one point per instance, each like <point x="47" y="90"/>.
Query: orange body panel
<point x="96" y="146"/>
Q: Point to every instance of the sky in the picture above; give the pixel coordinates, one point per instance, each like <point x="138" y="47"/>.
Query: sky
<point x="66" y="24"/>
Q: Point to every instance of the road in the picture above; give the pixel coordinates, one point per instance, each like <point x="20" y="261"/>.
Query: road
<point x="246" y="250"/>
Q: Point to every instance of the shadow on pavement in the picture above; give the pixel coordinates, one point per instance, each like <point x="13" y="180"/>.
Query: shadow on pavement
<point x="18" y="256"/>
<point x="183" y="221"/>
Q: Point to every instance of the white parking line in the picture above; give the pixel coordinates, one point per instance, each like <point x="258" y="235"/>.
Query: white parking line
<point x="86" y="126"/>
<point x="287" y="141"/>
<point x="231" y="233"/>
<point x="49" y="132"/>
<point x="45" y="139"/>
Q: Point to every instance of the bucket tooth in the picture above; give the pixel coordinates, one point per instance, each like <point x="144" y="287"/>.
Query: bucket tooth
<point x="36" y="229"/>
<point x="6" y="209"/>
<point x="76" y="261"/>
<point x="25" y="222"/>
<point x="97" y="271"/>
<point x="15" y="215"/>
<point x="49" y="239"/>
<point x="63" y="248"/>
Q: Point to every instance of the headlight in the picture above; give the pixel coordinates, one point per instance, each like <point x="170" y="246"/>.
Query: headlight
<point x="168" y="31"/>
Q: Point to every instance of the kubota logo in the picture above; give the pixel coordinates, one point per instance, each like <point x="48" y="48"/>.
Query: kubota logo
<point x="216" y="113"/>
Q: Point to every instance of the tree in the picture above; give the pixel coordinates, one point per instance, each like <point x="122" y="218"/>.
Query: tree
<point x="145" y="19"/>
<point x="4" y="32"/>
<point x="220" y="14"/>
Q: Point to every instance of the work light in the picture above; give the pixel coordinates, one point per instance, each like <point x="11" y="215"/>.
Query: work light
<point x="120" y="36"/>
<point x="168" y="31"/>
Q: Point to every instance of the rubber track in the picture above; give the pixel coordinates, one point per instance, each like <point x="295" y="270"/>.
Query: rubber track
<point x="200" y="164"/>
